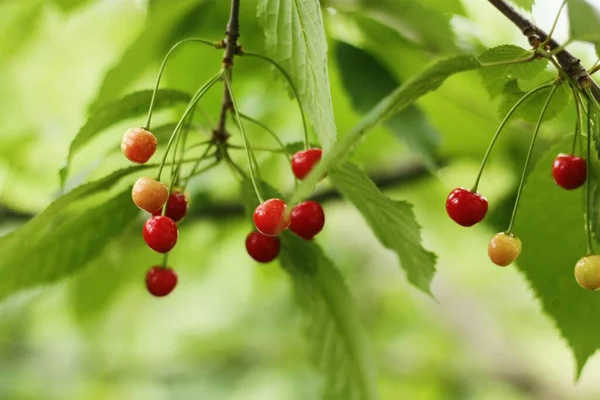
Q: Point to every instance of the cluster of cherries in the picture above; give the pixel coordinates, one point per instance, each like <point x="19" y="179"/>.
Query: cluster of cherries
<point x="270" y="217"/>
<point x="160" y="231"/>
<point x="467" y="208"/>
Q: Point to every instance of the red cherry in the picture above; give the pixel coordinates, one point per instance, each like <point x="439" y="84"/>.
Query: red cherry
<point x="161" y="281"/>
<point x="176" y="207"/>
<point x="269" y="217"/>
<point x="304" y="161"/>
<point x="160" y="234"/>
<point x="569" y="171"/>
<point x="138" y="145"/>
<point x="307" y="219"/>
<point x="262" y="248"/>
<point x="466" y="208"/>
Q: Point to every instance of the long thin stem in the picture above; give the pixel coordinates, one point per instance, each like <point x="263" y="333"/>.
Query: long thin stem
<point x="528" y="158"/>
<point x="270" y="131"/>
<point x="292" y="86"/>
<point x="189" y="108"/>
<point x="588" y="200"/>
<point x="162" y="68"/>
<point x="255" y="148"/>
<point x="577" y="121"/>
<point x="499" y="130"/>
<point x="551" y="32"/>
<point x="195" y="167"/>
<point x="243" y="131"/>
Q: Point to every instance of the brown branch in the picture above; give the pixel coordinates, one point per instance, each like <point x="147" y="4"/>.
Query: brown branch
<point x="231" y="47"/>
<point x="568" y="62"/>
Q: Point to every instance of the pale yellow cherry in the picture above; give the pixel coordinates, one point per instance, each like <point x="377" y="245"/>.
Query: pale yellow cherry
<point x="504" y="249"/>
<point x="587" y="272"/>
<point x="149" y="194"/>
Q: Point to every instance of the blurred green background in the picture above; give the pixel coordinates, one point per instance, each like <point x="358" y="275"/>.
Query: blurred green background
<point x="231" y="330"/>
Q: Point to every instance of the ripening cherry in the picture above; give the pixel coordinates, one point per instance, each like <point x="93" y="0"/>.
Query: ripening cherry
<point x="504" y="249"/>
<point x="269" y="217"/>
<point x="569" y="171"/>
<point x="465" y="207"/>
<point x="149" y="194"/>
<point x="177" y="206"/>
<point x="161" y="281"/>
<point x="138" y="145"/>
<point x="262" y="248"/>
<point x="587" y="272"/>
<point x="160" y="233"/>
<point x="304" y="161"/>
<point x="307" y="219"/>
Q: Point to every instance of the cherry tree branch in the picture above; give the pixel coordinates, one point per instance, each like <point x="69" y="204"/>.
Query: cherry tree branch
<point x="536" y="36"/>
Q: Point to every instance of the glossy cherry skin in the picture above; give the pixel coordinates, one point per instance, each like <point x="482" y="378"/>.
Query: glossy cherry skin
<point x="504" y="249"/>
<point x="160" y="281"/>
<point x="465" y="207"/>
<point x="262" y="248"/>
<point x="304" y="161"/>
<point x="177" y="206"/>
<point x="138" y="145"/>
<point x="269" y="217"/>
<point x="160" y="234"/>
<point x="587" y="272"/>
<point x="307" y="219"/>
<point x="149" y="194"/>
<point x="569" y="171"/>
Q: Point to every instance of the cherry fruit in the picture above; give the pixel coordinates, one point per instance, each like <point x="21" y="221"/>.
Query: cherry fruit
<point x="587" y="272"/>
<point x="262" y="248"/>
<point x="465" y="207"/>
<point x="177" y="206"/>
<point x="160" y="233"/>
<point x="269" y="217"/>
<point x="138" y="145"/>
<point x="307" y="219"/>
<point x="504" y="249"/>
<point x="160" y="281"/>
<point x="304" y="161"/>
<point x="149" y="194"/>
<point x="569" y="171"/>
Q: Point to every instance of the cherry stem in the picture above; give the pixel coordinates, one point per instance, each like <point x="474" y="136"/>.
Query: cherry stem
<point x="198" y="162"/>
<point x="551" y="32"/>
<point x="270" y="131"/>
<point x="577" y="121"/>
<point x="197" y="96"/>
<point x="255" y="148"/>
<point x="528" y="158"/>
<point x="292" y="86"/>
<point x="162" y="68"/>
<point x="499" y="130"/>
<point x="588" y="202"/>
<point x="165" y="260"/>
<point x="249" y="154"/>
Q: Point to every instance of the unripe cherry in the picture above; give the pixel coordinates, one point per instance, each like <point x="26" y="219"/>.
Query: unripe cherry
<point x="587" y="272"/>
<point x="149" y="194"/>
<point x="138" y="145"/>
<point x="504" y="249"/>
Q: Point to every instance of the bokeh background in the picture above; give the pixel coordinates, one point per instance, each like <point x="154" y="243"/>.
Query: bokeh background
<point x="231" y="330"/>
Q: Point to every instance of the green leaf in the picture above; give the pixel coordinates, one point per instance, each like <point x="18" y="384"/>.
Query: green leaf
<point x="393" y="222"/>
<point x="55" y="244"/>
<point x="337" y="342"/>
<point x="367" y="81"/>
<point x="295" y="38"/>
<point x="131" y="105"/>
<point x="527" y="5"/>
<point x="153" y="42"/>
<point x="550" y="224"/>
<point x="584" y="21"/>
<point x="531" y="108"/>
<point x="495" y="78"/>
<point x="430" y="79"/>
